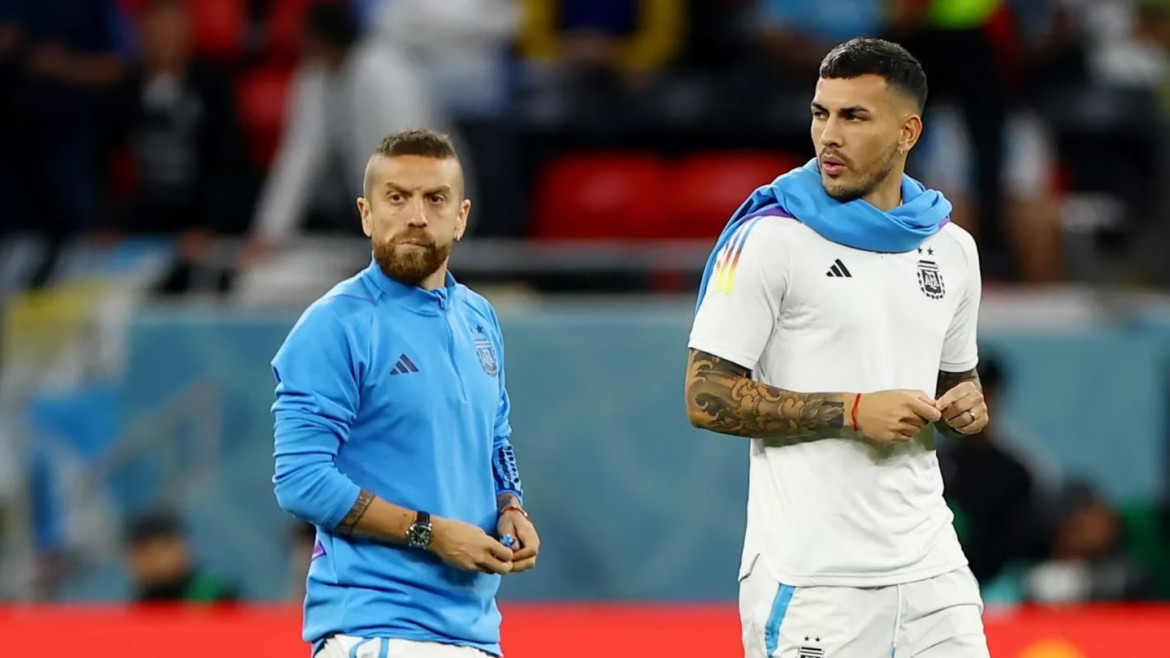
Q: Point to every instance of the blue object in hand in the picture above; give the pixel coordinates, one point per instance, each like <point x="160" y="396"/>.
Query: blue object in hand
<point x="507" y="540"/>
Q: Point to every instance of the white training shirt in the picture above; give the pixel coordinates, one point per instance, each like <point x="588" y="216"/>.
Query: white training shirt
<point x="809" y="315"/>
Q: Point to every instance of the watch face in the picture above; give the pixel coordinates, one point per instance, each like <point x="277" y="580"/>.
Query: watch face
<point x="420" y="536"/>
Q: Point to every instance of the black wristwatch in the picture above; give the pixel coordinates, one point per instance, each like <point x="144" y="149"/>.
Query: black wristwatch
<point x="420" y="532"/>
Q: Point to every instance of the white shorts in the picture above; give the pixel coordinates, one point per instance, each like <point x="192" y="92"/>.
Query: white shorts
<point x="346" y="646"/>
<point x="937" y="618"/>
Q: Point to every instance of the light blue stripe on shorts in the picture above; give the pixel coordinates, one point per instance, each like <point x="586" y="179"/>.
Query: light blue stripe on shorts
<point x="359" y="645"/>
<point x="779" y="609"/>
<point x="383" y="650"/>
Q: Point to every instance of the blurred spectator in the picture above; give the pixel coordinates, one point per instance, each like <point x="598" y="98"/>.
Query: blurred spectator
<point x="633" y="39"/>
<point x="177" y="117"/>
<point x="1050" y="52"/>
<point x="797" y="34"/>
<point x="1117" y="52"/>
<point x="348" y="93"/>
<point x="461" y="50"/>
<point x="951" y="39"/>
<point x="1038" y="53"/>
<point x="1000" y="522"/>
<point x="459" y="46"/>
<point x="598" y="74"/>
<point x="1089" y="559"/>
<point x="58" y="57"/>
<point x="162" y="566"/>
<point x="794" y="36"/>
<point x="1032" y="209"/>
<point x="719" y="35"/>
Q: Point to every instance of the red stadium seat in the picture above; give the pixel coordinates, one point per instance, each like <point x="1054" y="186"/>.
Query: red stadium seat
<point x="601" y="196"/>
<point x="218" y="27"/>
<point x="263" y="97"/>
<point x="705" y="189"/>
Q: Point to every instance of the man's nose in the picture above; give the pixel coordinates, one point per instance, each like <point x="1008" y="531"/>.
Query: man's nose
<point x="831" y="133"/>
<point x="416" y="215"/>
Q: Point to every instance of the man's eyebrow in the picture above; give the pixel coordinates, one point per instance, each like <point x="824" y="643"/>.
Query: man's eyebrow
<point x="394" y="187"/>
<point x="852" y="109"/>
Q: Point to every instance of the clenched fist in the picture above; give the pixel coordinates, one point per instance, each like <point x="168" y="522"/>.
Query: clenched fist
<point x="964" y="408"/>
<point x="893" y="417"/>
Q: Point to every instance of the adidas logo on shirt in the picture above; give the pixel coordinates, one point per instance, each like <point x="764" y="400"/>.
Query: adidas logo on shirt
<point x="839" y="270"/>
<point x="404" y="366"/>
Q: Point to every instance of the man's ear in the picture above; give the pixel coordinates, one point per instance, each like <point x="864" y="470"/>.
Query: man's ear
<point x="364" y="209"/>
<point x="461" y="220"/>
<point x="911" y="132"/>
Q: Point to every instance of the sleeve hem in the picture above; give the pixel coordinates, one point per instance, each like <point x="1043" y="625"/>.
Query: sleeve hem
<point x="352" y="491"/>
<point x="961" y="366"/>
<point x="738" y="357"/>
<point x="519" y="495"/>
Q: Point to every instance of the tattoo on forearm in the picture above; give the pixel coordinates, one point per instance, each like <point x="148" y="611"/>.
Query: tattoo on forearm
<point x="949" y="380"/>
<point x="349" y="523"/>
<point x="728" y="401"/>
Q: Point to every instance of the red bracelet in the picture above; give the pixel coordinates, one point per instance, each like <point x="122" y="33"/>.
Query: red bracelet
<point x="853" y="413"/>
<point x="516" y="508"/>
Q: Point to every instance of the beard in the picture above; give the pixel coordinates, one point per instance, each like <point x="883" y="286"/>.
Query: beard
<point x="407" y="264"/>
<point x="845" y="192"/>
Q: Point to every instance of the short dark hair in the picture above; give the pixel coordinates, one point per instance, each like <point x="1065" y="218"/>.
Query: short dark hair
<point x="413" y="141"/>
<point x="868" y="56"/>
<point x="417" y="141"/>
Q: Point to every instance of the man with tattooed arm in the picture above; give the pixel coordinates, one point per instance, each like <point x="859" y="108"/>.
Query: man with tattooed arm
<point x="836" y="329"/>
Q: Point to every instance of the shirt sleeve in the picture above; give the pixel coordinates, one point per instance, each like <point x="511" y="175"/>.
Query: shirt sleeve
<point x="742" y="301"/>
<point x="317" y="382"/>
<point x="504" y="469"/>
<point x="960" y="347"/>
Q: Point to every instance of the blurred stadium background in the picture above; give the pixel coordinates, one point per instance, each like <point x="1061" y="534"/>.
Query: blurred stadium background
<point x="177" y="182"/>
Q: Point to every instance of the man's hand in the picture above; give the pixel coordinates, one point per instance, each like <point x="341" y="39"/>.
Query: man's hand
<point x="963" y="408"/>
<point x="467" y="547"/>
<point x="893" y="417"/>
<point x="516" y="525"/>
